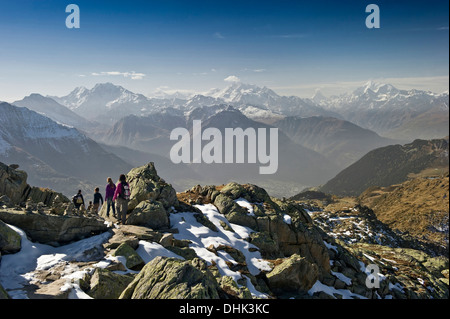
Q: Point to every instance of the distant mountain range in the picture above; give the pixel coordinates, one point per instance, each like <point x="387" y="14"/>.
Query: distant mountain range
<point x="318" y="136"/>
<point x="390" y="112"/>
<point x="400" y="114"/>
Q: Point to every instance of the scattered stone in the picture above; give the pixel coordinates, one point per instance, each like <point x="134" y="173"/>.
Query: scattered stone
<point x="133" y="260"/>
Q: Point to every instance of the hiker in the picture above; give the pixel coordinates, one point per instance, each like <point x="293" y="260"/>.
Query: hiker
<point x="97" y="198"/>
<point x="78" y="200"/>
<point x="90" y="206"/>
<point x="121" y="197"/>
<point x="109" y="194"/>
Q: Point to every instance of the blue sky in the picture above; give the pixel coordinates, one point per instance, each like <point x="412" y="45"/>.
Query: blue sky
<point x="292" y="47"/>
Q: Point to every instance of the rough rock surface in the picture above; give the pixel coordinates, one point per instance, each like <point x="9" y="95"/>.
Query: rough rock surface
<point x="53" y="229"/>
<point x="294" y="274"/>
<point x="10" y="241"/>
<point x="309" y="254"/>
<point x="13" y="184"/>
<point x="169" y="278"/>
<point x="273" y="235"/>
<point x="105" y="284"/>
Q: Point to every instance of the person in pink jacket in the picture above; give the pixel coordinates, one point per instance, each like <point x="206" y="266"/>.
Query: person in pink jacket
<point x="121" y="197"/>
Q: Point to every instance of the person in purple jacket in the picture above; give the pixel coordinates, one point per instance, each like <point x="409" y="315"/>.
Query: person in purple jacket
<point x="121" y="197"/>
<point x="109" y="194"/>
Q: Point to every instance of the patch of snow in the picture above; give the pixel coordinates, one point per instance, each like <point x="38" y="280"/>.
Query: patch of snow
<point x="342" y="277"/>
<point x="149" y="251"/>
<point x="244" y="203"/>
<point x="287" y="219"/>
<point x="202" y="237"/>
<point x="17" y="269"/>
<point x="330" y="246"/>
<point x="345" y="293"/>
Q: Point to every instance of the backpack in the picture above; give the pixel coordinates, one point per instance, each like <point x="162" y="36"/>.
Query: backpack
<point x="77" y="199"/>
<point x="126" y="193"/>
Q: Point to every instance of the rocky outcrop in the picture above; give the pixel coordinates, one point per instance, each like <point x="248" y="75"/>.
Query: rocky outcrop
<point x="281" y="228"/>
<point x="169" y="278"/>
<point x="10" y="241"/>
<point x="133" y="260"/>
<point x="105" y="284"/>
<point x="53" y="229"/>
<point x="3" y="293"/>
<point x="151" y="214"/>
<point x="151" y="199"/>
<point x="293" y="275"/>
<point x="145" y="185"/>
<point x="45" y="216"/>
<point x="407" y="273"/>
<point x="13" y="184"/>
<point x="292" y="254"/>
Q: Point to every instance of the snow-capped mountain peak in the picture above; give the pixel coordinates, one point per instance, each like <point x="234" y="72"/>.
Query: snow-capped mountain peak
<point x="375" y="88"/>
<point x="102" y="98"/>
<point x="318" y="97"/>
<point x="238" y="91"/>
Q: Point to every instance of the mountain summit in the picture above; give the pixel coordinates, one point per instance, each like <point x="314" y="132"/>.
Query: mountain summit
<point x="104" y="100"/>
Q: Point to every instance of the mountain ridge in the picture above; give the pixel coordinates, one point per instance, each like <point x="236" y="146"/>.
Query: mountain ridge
<point x="389" y="165"/>
<point x="59" y="148"/>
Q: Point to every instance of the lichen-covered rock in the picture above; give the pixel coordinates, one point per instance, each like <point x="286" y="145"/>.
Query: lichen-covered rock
<point x="415" y="273"/>
<point x="10" y="241"/>
<point x="105" y="284"/>
<point x="3" y="293"/>
<point x="274" y="235"/>
<point x="294" y="274"/>
<point x="265" y="243"/>
<point x="133" y="260"/>
<point x="51" y="229"/>
<point x="230" y="290"/>
<point x="171" y="278"/>
<point x="150" y="214"/>
<point x="13" y="184"/>
<point x="145" y="184"/>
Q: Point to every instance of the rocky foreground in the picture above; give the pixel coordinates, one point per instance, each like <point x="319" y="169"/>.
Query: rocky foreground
<point x="231" y="242"/>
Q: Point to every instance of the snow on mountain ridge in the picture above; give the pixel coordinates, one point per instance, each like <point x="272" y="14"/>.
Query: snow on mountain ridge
<point x="38" y="126"/>
<point x="107" y="103"/>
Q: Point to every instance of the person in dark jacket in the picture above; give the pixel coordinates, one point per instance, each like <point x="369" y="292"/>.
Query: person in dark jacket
<point x="78" y="200"/>
<point x="109" y="194"/>
<point x="97" y="198"/>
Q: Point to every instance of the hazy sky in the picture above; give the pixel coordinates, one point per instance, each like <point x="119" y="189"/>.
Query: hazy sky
<point x="292" y="47"/>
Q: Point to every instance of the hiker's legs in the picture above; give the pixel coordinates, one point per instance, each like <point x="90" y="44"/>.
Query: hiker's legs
<point x="118" y="208"/>
<point x="122" y="207"/>
<point x="109" y="203"/>
<point x="113" y="207"/>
